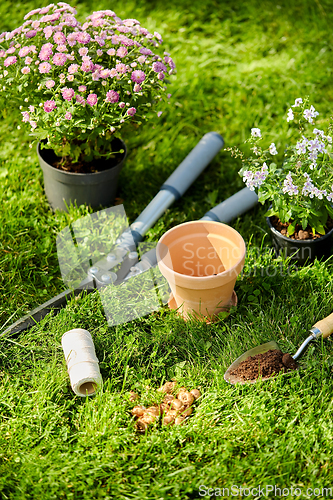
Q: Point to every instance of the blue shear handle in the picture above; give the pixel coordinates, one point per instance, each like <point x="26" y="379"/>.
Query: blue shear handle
<point x="195" y="162"/>
<point x="178" y="182"/>
<point x="232" y="207"/>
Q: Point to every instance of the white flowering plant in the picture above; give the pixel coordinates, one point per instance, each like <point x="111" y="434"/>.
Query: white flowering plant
<point x="300" y="190"/>
<point x="78" y="84"/>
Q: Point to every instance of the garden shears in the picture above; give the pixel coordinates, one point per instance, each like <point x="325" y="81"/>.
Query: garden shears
<point x="121" y="255"/>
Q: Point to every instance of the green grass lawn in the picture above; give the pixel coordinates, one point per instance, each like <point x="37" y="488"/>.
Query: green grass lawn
<point x="240" y="65"/>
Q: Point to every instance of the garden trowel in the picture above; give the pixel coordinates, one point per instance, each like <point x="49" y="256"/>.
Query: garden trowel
<point x="323" y="328"/>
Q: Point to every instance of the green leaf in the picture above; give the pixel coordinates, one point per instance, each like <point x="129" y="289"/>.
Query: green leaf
<point x="269" y="213"/>
<point x="66" y="150"/>
<point x="3" y="172"/>
<point x="291" y="229"/>
<point x="304" y="223"/>
<point x="320" y="229"/>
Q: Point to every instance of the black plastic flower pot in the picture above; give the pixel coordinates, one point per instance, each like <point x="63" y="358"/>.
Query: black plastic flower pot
<point x="301" y="251"/>
<point x="63" y="188"/>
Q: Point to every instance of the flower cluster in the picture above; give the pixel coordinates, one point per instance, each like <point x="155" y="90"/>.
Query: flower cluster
<point x="77" y="84"/>
<point x="301" y="189"/>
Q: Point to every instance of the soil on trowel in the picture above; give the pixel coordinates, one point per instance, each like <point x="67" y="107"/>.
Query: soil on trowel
<point x="265" y="364"/>
<point x="299" y="234"/>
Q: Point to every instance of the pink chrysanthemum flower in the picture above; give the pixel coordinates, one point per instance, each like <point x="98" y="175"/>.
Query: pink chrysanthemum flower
<point x="138" y="76"/>
<point x="11" y="50"/>
<point x="24" y="51"/>
<point x="83" y="37"/>
<point x="68" y="116"/>
<point x="99" y="52"/>
<point x="105" y="73"/>
<point x="100" y="41"/>
<point x="122" y="29"/>
<point x="48" y="31"/>
<point x="71" y="39"/>
<point x="31" y="13"/>
<point x="45" y="52"/>
<point x="97" y="22"/>
<point x="26" y="116"/>
<point x="130" y="22"/>
<point x="137" y="88"/>
<point x="92" y="99"/>
<point x="62" y="48"/>
<point x="3" y="53"/>
<point x="83" y="51"/>
<point x="28" y="60"/>
<point x="73" y="68"/>
<point x="121" y="68"/>
<point x="59" y="59"/>
<point x="87" y="66"/>
<point x="59" y="38"/>
<point x="49" y="84"/>
<point x="146" y="52"/>
<point x="82" y="88"/>
<point x="122" y="52"/>
<point x="80" y="99"/>
<point x="159" y="67"/>
<point x="111" y="52"/>
<point x="161" y="76"/>
<point x="44" y="10"/>
<point x="9" y="61"/>
<point x="44" y="67"/>
<point x="121" y="105"/>
<point x="131" y="111"/>
<point x="50" y="18"/>
<point x="112" y="96"/>
<point x="170" y="62"/>
<point x="67" y="93"/>
<point x="31" y="34"/>
<point x="49" y="106"/>
<point x="124" y="40"/>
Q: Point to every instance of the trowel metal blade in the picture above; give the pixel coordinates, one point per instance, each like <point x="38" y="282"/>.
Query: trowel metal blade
<point x="260" y="349"/>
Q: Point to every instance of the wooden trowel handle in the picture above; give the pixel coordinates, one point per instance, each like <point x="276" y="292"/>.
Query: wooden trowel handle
<point x="325" y="326"/>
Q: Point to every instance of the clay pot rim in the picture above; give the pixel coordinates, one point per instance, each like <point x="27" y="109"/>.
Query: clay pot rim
<point x="201" y="279"/>
<point x="298" y="242"/>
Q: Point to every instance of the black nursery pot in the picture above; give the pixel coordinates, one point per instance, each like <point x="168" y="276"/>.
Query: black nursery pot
<point x="94" y="189"/>
<point x="301" y="251"/>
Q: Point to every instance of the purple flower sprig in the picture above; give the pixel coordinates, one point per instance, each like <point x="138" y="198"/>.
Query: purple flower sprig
<point x="300" y="190"/>
<point x="81" y="83"/>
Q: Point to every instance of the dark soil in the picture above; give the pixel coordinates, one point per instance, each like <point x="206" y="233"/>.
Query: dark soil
<point x="299" y="234"/>
<point x="266" y="364"/>
<point x="98" y="165"/>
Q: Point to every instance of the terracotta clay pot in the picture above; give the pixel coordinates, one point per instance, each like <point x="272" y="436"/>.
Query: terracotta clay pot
<point x="201" y="261"/>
